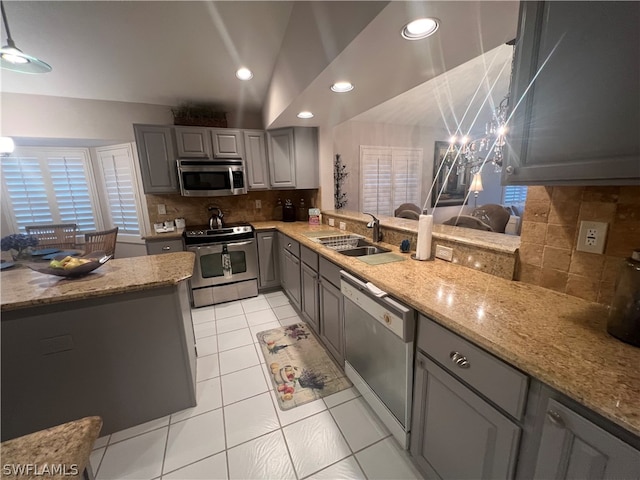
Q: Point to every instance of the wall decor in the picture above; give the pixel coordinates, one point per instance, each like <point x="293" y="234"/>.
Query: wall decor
<point x="339" y="174"/>
<point x="451" y="176"/>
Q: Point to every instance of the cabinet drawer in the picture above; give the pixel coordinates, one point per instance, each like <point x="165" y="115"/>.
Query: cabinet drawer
<point x="167" y="246"/>
<point x="499" y="382"/>
<point x="309" y="257"/>
<point x="330" y="271"/>
<point x="291" y="245"/>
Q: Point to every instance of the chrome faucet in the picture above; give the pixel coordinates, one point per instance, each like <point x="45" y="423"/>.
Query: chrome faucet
<point x="375" y="224"/>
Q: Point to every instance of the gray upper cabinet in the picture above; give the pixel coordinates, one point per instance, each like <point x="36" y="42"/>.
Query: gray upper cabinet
<point x="256" y="159"/>
<point x="193" y="142"/>
<point x="268" y="259"/>
<point x="572" y="447"/>
<point x="282" y="166"/>
<point x="157" y="155"/>
<point x="455" y="433"/>
<point x="577" y="81"/>
<point x="227" y="143"/>
<point x="293" y="157"/>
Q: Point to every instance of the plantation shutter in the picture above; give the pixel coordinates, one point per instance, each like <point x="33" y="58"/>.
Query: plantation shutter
<point x="48" y="186"/>
<point x="389" y="177"/>
<point x="119" y="185"/>
<point x="514" y="194"/>
<point x="25" y="191"/>
<point x="376" y="172"/>
<point x="407" y="176"/>
<point x="71" y="190"/>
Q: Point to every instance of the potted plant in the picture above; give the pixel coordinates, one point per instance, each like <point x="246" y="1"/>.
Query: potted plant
<point x="19" y="244"/>
<point x="200" y="114"/>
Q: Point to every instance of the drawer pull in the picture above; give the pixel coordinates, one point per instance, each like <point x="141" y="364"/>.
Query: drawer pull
<point x="166" y="248"/>
<point x="459" y="359"/>
<point x="555" y="418"/>
<point x="289" y="245"/>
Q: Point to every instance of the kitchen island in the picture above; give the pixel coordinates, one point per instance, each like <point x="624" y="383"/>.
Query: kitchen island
<point x="555" y="338"/>
<point x="117" y="343"/>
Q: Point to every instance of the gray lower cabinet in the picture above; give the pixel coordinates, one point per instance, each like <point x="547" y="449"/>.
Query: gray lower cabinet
<point x="310" y="307"/>
<point x="576" y="81"/>
<point x="155" y="247"/>
<point x="269" y="275"/>
<point x="157" y="156"/>
<point x="455" y="433"/>
<point x="290" y="268"/>
<point x="332" y="319"/>
<point x="572" y="447"/>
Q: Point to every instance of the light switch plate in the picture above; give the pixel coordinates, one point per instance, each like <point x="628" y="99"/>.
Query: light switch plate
<point x="343" y="226"/>
<point x="258" y="204"/>
<point x="332" y="222"/>
<point x="162" y="209"/>
<point x="592" y="237"/>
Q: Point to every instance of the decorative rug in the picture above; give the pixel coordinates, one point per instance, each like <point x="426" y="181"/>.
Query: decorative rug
<point x="301" y="370"/>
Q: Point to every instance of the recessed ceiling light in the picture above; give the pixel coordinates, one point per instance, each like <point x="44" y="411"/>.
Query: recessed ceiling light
<point x="341" y="87"/>
<point x="244" y="74"/>
<point x="305" y="114"/>
<point x="420" y="28"/>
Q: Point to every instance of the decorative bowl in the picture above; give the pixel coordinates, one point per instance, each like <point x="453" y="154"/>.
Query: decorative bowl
<point x="97" y="260"/>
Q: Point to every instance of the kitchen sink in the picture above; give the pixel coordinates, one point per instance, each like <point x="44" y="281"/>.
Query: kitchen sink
<point x="361" y="251"/>
<point x="351" y="245"/>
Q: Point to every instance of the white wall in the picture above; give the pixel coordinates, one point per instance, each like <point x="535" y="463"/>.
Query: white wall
<point x="348" y="137"/>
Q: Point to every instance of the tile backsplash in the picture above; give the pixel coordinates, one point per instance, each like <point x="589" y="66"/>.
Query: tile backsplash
<point x="550" y="226"/>
<point x="237" y="208"/>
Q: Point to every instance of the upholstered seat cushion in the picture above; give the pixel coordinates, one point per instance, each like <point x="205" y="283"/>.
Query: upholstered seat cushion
<point x="467" y="221"/>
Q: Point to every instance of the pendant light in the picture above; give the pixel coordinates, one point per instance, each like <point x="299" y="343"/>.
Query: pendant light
<point x="12" y="58"/>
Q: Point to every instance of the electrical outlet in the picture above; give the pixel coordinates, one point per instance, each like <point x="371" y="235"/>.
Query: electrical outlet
<point x="162" y="209"/>
<point x="592" y="237"/>
<point x="445" y="253"/>
<point x="343" y="226"/>
<point x="258" y="204"/>
<point x="332" y="222"/>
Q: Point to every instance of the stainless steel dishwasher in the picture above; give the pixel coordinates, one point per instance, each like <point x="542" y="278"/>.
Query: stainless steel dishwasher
<point x="379" y="334"/>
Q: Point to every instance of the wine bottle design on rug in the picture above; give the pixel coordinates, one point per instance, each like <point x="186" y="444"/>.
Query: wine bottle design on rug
<point x="301" y="370"/>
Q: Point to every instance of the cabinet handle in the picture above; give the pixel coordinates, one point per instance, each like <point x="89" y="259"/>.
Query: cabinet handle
<point x="289" y="245"/>
<point x="459" y="359"/>
<point x="510" y="170"/>
<point x="166" y="248"/>
<point x="421" y="363"/>
<point x="555" y="418"/>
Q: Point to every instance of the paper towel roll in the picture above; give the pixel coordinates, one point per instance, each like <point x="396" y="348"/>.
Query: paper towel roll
<point x="425" y="229"/>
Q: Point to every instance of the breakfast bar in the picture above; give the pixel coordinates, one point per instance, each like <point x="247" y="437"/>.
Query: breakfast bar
<point x="116" y="343"/>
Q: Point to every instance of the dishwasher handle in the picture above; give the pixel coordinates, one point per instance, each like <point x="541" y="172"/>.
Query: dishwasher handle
<point x="399" y="309"/>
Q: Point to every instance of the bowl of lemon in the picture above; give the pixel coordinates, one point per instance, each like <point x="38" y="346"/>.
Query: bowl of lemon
<point x="69" y="266"/>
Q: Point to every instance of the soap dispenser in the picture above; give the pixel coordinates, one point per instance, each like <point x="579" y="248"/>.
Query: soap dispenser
<point x="624" y="316"/>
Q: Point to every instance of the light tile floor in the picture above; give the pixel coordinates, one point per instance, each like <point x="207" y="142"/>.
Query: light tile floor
<point x="237" y="430"/>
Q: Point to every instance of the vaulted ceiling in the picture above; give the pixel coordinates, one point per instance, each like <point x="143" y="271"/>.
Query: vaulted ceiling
<point x="169" y="52"/>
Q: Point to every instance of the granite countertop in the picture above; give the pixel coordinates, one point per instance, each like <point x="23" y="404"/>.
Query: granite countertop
<point x="558" y="339"/>
<point x="65" y="447"/>
<point x="23" y="287"/>
<point x="498" y="242"/>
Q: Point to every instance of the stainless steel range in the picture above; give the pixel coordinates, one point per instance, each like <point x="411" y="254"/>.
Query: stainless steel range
<point x="209" y="284"/>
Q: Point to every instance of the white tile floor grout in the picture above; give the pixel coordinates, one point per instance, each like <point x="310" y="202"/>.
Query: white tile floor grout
<point x="250" y="437"/>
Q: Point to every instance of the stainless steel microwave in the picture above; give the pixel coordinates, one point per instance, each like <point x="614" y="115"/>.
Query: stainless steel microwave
<point x="211" y="178"/>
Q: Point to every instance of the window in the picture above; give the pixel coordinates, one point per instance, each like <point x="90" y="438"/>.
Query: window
<point x="514" y="194"/>
<point x="119" y="184"/>
<point x="41" y="186"/>
<point x="389" y="177"/>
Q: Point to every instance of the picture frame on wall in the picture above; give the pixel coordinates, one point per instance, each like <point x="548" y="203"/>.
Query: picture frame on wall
<point x="455" y="178"/>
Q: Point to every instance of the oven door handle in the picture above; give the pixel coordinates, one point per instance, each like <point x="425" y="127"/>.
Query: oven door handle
<point x="238" y="244"/>
<point x="231" y="178"/>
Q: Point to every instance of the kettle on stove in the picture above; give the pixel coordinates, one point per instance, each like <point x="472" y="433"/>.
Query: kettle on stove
<point x="215" y="221"/>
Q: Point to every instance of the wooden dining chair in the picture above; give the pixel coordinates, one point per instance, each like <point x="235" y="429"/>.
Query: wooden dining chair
<point x="61" y="235"/>
<point x="104" y="241"/>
